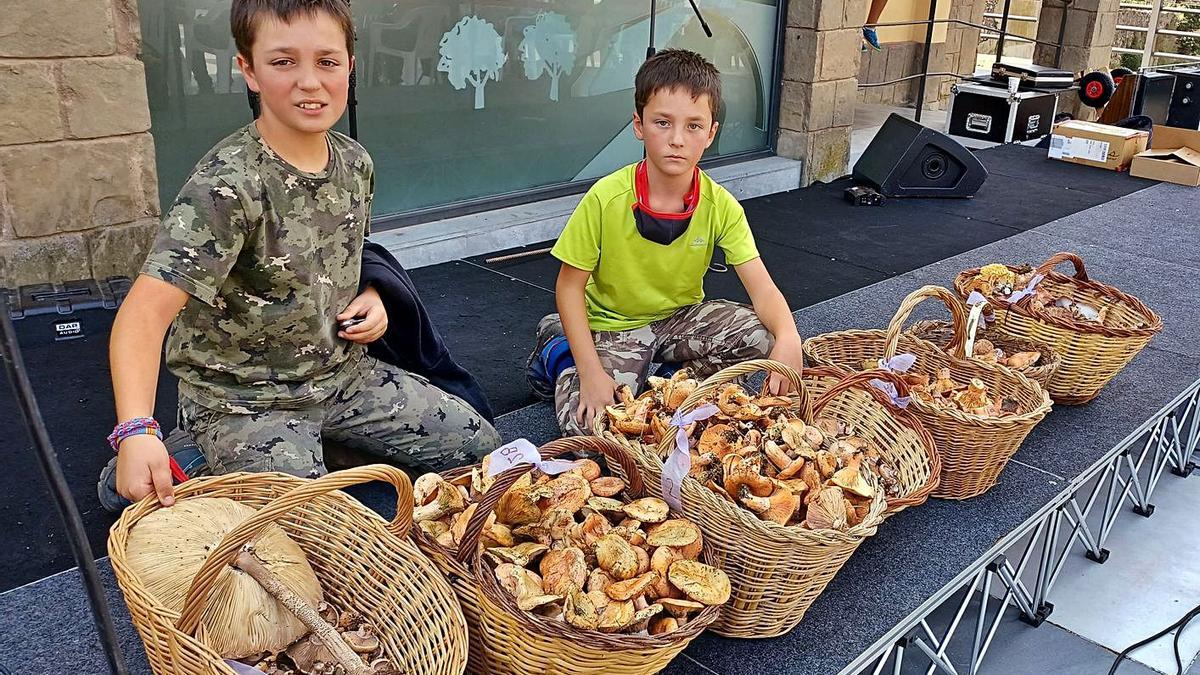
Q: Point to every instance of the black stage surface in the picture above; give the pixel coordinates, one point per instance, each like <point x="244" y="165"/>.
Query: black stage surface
<point x="1143" y="243"/>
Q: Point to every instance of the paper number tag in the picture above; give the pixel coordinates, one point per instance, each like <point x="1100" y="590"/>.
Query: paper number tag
<point x="521" y="451"/>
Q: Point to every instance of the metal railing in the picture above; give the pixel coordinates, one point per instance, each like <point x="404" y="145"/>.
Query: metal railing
<point x="999" y="16"/>
<point x="1149" y="51"/>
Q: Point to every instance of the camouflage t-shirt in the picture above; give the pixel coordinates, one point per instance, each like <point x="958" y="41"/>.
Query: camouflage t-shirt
<point x="270" y="255"/>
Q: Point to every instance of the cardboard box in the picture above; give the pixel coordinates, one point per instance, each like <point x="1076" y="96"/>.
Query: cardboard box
<point x="1174" y="156"/>
<point x="1099" y="145"/>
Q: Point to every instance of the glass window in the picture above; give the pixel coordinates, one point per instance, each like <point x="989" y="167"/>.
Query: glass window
<point x="462" y="100"/>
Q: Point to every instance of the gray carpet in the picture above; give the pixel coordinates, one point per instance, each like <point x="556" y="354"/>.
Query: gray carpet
<point x="1143" y="243"/>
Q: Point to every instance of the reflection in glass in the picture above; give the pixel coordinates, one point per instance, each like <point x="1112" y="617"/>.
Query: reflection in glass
<point x="461" y="100"/>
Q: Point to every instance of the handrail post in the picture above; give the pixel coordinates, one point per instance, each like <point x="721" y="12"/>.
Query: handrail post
<point x="925" y="59"/>
<point x="1003" y="31"/>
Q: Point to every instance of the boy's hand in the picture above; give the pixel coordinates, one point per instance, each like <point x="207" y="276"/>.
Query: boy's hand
<point x="595" y="392"/>
<point x="787" y="351"/>
<point x="368" y="306"/>
<point x="143" y="467"/>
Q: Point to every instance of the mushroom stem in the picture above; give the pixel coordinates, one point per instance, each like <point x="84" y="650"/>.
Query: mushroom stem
<point x="248" y="563"/>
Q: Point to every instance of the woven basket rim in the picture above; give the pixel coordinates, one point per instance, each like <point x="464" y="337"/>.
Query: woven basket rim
<point x="927" y="329"/>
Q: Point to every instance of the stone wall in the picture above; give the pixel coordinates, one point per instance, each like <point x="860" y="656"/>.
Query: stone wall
<point x="78" y="189"/>
<point x="820" y="61"/>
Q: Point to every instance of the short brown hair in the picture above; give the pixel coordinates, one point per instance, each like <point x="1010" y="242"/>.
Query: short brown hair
<point x="245" y="15"/>
<point x="673" y="68"/>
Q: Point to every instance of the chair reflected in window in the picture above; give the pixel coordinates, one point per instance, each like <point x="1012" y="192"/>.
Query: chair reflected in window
<point x="206" y="31"/>
<point x="413" y="38"/>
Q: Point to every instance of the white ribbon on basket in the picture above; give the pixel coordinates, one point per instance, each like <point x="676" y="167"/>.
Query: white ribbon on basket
<point x="897" y="364"/>
<point x="1028" y="290"/>
<point x="521" y="451"/>
<point x="679" y="462"/>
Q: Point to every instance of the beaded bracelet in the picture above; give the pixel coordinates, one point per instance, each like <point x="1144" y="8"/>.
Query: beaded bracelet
<point x="134" y="427"/>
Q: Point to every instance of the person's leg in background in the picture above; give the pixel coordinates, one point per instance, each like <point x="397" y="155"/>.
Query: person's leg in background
<point x="873" y="14"/>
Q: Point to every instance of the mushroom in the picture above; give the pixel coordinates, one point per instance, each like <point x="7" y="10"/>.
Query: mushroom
<point x="519" y="505"/>
<point x="852" y="480"/>
<point x="778" y="508"/>
<point x="662" y="624"/>
<point x="631" y="588"/>
<point x="648" y="510"/>
<point x="608" y="486"/>
<point x="1022" y="359"/>
<point x="563" y="569"/>
<point x="616" y="556"/>
<point x="362" y="641"/>
<point x="703" y="583"/>
<point x="744" y="471"/>
<point x="310" y="654"/>
<point x="827" y="511"/>
<point x="579" y="611"/>
<point x="446" y="500"/>
<point x="425" y="488"/>
<point x="680" y="608"/>
<point x="384" y="667"/>
<point x="615" y="616"/>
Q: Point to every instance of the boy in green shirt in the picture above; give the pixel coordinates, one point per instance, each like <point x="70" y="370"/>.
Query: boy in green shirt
<point x="256" y="272"/>
<point x="631" y="287"/>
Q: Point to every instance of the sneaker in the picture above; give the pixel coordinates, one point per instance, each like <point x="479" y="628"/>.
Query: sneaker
<point x="186" y="462"/>
<point x="668" y="368"/>
<point x="550" y="356"/>
<point x="871" y="37"/>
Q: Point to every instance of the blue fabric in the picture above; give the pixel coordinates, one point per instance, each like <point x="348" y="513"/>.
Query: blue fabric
<point x="871" y="37"/>
<point x="553" y="359"/>
<point x="412" y="342"/>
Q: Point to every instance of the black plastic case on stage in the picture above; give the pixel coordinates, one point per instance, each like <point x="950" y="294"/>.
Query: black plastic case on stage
<point x="47" y="313"/>
<point x="987" y="112"/>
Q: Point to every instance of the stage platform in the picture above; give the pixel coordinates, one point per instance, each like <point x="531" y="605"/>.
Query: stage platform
<point x="882" y="613"/>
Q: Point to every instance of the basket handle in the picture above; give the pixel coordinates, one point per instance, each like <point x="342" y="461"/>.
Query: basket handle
<point x="1054" y="260"/>
<point x="247" y="530"/>
<point x="862" y="380"/>
<point x="958" y="319"/>
<point x="556" y="448"/>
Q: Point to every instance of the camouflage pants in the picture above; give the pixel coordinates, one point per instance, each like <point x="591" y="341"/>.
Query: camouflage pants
<point x="705" y="338"/>
<point x="381" y="410"/>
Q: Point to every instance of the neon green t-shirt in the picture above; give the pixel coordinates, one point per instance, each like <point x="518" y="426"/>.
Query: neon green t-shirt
<point x="636" y="281"/>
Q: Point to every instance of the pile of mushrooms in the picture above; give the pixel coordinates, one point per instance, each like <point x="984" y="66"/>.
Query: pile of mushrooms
<point x="572" y="548"/>
<point x="985" y="350"/>
<point x="648" y="417"/>
<point x="972" y="398"/>
<point x="311" y="656"/>
<point x="762" y="457"/>
<point x="998" y="281"/>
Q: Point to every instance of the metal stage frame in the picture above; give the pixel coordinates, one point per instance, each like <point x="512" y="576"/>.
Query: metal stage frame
<point x="1027" y="562"/>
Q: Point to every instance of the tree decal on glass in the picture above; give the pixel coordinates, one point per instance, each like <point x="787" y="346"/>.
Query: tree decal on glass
<point x="472" y="53"/>
<point x="548" y="47"/>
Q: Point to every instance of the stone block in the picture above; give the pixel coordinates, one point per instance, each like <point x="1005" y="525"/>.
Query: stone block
<point x="793" y="105"/>
<point x="28" y="103"/>
<point x="828" y="154"/>
<point x="35" y="261"/>
<point x="1080" y="28"/>
<point x="54" y="28"/>
<point x="840" y="52"/>
<point x="121" y="250"/>
<point x="72" y="185"/>
<point x="791" y="144"/>
<point x="149" y="174"/>
<point x="802" y="14"/>
<point x="822" y="105"/>
<point x="128" y="27"/>
<point x="844" y="103"/>
<point x="830" y="14"/>
<point x="801" y="54"/>
<point x="1107" y="30"/>
<point x="105" y="97"/>
<point x="855" y="13"/>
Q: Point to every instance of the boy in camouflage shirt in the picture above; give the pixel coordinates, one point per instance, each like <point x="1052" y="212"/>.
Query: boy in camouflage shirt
<point x="255" y="270"/>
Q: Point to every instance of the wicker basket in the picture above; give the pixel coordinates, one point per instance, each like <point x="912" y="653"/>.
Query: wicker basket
<point x="361" y="560"/>
<point x="536" y="644"/>
<point x="974" y="448"/>
<point x="1091" y="353"/>
<point x="942" y="333"/>
<point x="776" y="571"/>
<point x="897" y="433"/>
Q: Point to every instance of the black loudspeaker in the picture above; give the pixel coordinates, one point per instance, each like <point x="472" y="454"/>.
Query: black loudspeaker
<point x="906" y="159"/>
<point x="1185" y="100"/>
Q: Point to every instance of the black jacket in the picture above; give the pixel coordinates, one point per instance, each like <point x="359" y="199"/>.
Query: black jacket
<point x="412" y="342"/>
